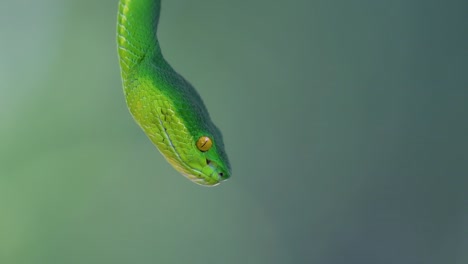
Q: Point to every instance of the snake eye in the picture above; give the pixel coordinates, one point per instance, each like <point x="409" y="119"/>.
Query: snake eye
<point x="204" y="143"/>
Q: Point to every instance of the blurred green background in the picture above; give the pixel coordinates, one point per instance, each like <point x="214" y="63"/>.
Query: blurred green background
<point x="346" y="124"/>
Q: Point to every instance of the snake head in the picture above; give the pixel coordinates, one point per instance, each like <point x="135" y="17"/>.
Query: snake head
<point x="204" y="163"/>
<point x="186" y="137"/>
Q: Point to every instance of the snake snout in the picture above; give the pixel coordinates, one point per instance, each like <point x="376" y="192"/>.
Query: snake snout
<point x="220" y="173"/>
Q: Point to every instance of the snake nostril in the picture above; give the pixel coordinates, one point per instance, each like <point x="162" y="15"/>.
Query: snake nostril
<point x="208" y="162"/>
<point x="221" y="174"/>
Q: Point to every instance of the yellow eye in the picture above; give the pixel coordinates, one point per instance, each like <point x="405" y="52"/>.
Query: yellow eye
<point x="204" y="143"/>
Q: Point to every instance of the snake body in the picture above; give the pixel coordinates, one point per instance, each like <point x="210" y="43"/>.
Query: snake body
<point x="162" y="102"/>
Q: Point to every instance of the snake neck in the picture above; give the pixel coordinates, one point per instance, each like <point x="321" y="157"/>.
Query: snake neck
<point x="136" y="32"/>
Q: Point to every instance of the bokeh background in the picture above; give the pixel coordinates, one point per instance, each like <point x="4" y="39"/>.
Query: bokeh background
<point x="346" y="124"/>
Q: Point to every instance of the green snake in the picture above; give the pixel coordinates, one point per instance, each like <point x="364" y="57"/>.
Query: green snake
<point x="162" y="102"/>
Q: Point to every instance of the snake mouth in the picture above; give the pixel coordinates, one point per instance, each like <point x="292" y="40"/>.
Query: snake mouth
<point x="217" y="171"/>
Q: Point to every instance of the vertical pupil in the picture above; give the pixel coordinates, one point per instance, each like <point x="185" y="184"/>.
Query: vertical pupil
<point x="204" y="143"/>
